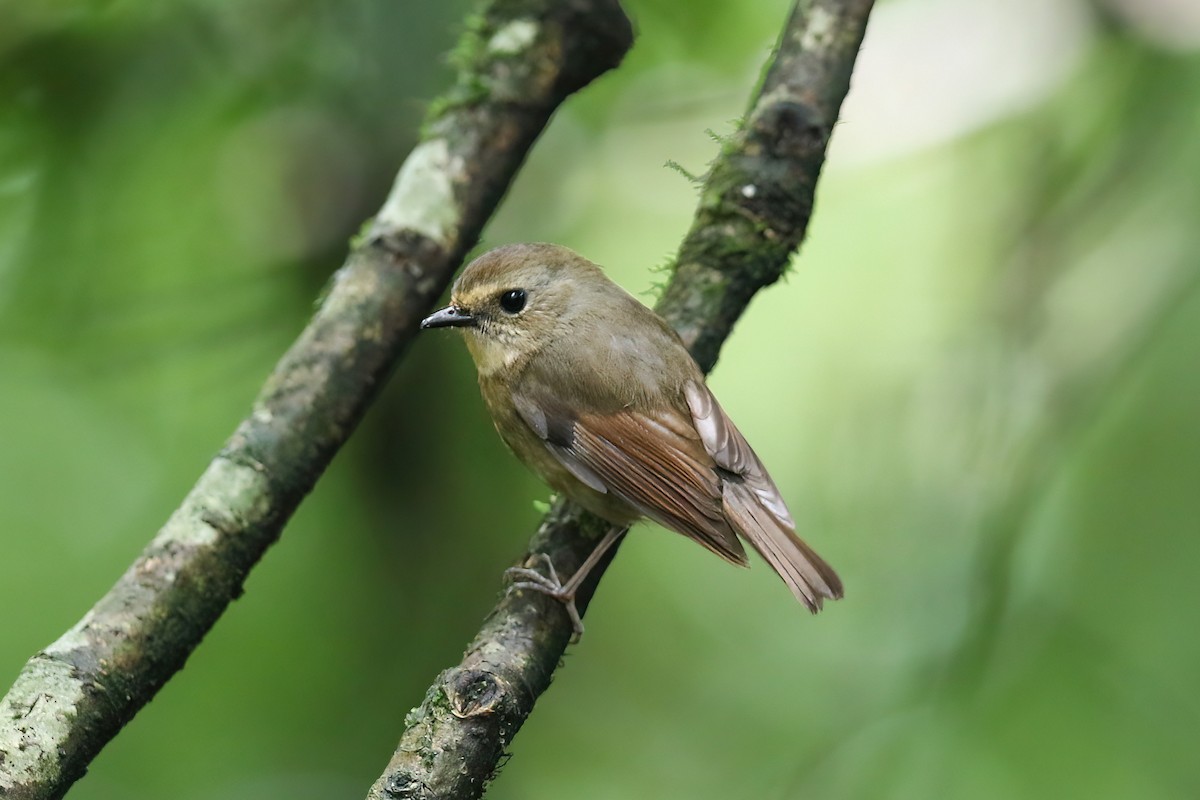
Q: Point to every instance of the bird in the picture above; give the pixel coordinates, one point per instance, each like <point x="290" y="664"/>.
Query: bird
<point x="599" y="396"/>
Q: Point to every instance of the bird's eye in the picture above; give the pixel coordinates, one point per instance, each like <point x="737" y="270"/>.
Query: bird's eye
<point x="513" y="301"/>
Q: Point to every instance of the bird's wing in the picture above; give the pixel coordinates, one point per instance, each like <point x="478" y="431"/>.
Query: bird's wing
<point x="653" y="461"/>
<point x="753" y="505"/>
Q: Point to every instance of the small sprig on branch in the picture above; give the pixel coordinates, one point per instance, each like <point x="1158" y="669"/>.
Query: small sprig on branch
<point x="521" y="60"/>
<point x="754" y="210"/>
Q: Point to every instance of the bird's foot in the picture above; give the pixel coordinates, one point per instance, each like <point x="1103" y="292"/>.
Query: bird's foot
<point x="527" y="577"/>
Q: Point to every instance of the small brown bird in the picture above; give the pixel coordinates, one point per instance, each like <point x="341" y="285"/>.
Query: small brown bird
<point x="599" y="396"/>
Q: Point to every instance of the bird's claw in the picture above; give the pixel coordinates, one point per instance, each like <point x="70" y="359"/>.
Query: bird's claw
<point x="528" y="578"/>
<point x="552" y="583"/>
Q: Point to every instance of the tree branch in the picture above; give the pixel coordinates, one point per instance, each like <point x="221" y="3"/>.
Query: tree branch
<point x="518" y="61"/>
<point x="754" y="210"/>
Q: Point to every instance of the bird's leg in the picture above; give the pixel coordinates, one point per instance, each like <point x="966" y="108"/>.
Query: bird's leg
<point x="551" y="586"/>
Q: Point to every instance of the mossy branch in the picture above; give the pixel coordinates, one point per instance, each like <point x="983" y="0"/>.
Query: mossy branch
<point x="520" y="59"/>
<point x="753" y="212"/>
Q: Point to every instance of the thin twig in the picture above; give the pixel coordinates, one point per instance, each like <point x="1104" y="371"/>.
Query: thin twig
<point x="517" y="62"/>
<point x="753" y="212"/>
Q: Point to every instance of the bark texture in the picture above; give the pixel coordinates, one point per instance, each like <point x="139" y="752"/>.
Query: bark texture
<point x="517" y="62"/>
<point x="754" y="209"/>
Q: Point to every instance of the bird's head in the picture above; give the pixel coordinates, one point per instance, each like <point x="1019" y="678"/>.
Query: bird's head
<point x="514" y="300"/>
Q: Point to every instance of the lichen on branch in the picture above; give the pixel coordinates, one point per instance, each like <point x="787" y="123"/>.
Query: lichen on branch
<point x="71" y="699"/>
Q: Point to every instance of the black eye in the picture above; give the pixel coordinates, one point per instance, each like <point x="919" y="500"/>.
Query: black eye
<point x="513" y="301"/>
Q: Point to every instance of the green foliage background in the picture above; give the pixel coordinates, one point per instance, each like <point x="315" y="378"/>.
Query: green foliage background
<point x="979" y="389"/>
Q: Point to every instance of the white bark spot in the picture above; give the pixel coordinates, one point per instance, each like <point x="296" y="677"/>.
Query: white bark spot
<point x="513" y="37"/>
<point x="821" y="25"/>
<point x="422" y="198"/>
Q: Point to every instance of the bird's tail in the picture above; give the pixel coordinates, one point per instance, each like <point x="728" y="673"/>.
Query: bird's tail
<point x="774" y="537"/>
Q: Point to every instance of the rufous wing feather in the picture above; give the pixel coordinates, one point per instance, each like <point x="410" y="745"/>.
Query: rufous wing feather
<point x="654" y="462"/>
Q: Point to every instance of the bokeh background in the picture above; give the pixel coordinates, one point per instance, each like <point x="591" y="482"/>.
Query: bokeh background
<point x="979" y="388"/>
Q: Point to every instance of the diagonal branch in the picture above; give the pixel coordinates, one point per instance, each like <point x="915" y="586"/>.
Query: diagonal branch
<point x="754" y="209"/>
<point x="518" y="62"/>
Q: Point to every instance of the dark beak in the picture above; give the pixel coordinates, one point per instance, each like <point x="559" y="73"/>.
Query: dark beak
<point x="448" y="317"/>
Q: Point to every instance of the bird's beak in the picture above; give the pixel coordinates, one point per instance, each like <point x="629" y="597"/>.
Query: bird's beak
<point x="449" y="317"/>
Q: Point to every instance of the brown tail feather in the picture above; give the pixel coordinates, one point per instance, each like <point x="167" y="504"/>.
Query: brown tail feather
<point x="805" y="572"/>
